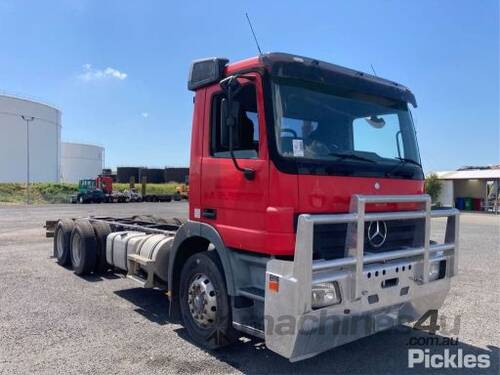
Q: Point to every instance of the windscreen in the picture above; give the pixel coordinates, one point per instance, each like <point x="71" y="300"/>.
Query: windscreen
<point x="315" y="123"/>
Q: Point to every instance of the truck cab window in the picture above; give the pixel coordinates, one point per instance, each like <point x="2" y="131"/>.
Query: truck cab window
<point x="322" y="126"/>
<point x="383" y="139"/>
<point x="246" y="132"/>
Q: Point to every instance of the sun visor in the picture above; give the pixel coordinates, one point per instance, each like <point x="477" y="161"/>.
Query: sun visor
<point x="302" y="68"/>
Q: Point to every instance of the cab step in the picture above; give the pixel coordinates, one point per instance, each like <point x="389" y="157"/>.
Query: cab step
<point x="138" y="265"/>
<point x="136" y="258"/>
<point x="256" y="294"/>
<point x="249" y="329"/>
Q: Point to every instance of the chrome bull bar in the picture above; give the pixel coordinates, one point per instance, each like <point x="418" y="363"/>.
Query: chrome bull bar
<point x="291" y="299"/>
<point x="304" y="266"/>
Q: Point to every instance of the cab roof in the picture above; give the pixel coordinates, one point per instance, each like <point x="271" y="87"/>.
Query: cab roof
<point x="284" y="65"/>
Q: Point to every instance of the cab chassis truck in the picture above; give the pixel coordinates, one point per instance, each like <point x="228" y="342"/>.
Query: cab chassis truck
<point x="307" y="212"/>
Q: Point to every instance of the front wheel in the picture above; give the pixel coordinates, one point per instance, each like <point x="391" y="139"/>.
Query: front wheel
<point x="204" y="302"/>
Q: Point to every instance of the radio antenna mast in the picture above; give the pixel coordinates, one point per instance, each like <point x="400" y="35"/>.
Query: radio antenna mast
<point x="253" y="33"/>
<point x="373" y="70"/>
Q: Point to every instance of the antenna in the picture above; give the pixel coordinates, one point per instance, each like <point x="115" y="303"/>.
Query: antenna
<point x="373" y="70"/>
<point x="253" y="33"/>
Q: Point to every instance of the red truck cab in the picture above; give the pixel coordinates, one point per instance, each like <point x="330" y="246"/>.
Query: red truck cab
<point x="105" y="183"/>
<point x="306" y="181"/>
<point x="312" y="133"/>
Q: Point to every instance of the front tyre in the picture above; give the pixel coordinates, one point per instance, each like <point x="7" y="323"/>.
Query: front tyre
<point x="204" y="302"/>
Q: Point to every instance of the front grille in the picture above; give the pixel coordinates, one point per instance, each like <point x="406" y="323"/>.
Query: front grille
<point x="329" y="239"/>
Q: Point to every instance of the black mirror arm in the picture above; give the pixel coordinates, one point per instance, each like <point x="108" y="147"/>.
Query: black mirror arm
<point x="247" y="172"/>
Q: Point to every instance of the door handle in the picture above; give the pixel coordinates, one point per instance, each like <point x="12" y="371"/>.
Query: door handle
<point x="209" y="213"/>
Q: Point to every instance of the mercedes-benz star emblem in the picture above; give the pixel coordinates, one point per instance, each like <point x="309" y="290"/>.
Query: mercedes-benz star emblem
<point x="377" y="233"/>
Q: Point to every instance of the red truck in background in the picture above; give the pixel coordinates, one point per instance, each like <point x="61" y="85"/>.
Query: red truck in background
<point x="98" y="190"/>
<point x="306" y="210"/>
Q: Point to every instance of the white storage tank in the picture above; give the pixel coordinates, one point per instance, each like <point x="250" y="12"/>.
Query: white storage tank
<point x="81" y="161"/>
<point x="25" y="122"/>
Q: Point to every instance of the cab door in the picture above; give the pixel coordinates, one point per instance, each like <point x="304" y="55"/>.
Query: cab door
<point x="234" y="205"/>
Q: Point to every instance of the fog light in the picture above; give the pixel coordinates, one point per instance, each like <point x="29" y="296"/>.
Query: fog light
<point x="434" y="271"/>
<point x="325" y="294"/>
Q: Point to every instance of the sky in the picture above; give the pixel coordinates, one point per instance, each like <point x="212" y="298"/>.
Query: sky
<point x="118" y="69"/>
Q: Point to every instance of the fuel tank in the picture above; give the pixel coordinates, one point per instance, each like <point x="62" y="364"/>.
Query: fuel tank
<point x="154" y="247"/>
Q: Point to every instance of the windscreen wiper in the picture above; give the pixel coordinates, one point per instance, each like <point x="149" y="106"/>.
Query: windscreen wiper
<point x="343" y="156"/>
<point x="406" y="160"/>
<point x="402" y="162"/>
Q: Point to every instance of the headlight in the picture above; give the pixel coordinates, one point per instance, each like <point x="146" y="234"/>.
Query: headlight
<point x="325" y="294"/>
<point x="437" y="270"/>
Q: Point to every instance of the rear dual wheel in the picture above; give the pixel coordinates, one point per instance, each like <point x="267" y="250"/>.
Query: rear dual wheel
<point x="101" y="230"/>
<point x="62" y="240"/>
<point x="83" y="251"/>
<point x="82" y="245"/>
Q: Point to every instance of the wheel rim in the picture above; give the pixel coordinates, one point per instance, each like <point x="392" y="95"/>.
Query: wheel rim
<point x="75" y="249"/>
<point x="60" y="244"/>
<point x="202" y="301"/>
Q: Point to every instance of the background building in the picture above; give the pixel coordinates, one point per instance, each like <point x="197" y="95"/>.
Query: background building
<point x="152" y="175"/>
<point x="125" y="174"/>
<point x="474" y="189"/>
<point x="176" y="174"/>
<point x="80" y="161"/>
<point x="23" y="122"/>
<point x="42" y="126"/>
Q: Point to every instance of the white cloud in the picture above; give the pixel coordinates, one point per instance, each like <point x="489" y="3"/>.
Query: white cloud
<point x="91" y="74"/>
<point x="145" y="114"/>
<point x="115" y="73"/>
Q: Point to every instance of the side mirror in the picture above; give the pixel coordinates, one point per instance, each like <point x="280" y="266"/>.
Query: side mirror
<point x="229" y="119"/>
<point x="230" y="110"/>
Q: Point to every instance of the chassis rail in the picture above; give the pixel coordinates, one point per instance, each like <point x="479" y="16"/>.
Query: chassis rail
<point x="138" y="223"/>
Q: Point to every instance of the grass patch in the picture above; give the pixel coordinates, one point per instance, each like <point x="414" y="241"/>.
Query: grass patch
<point x="55" y="193"/>
<point x="39" y="193"/>
<point x="43" y="193"/>
<point x="12" y="193"/>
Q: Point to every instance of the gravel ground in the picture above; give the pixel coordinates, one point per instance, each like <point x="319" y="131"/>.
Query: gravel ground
<point x="52" y="321"/>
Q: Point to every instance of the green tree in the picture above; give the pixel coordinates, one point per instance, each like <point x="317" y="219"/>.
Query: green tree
<point x="433" y="186"/>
